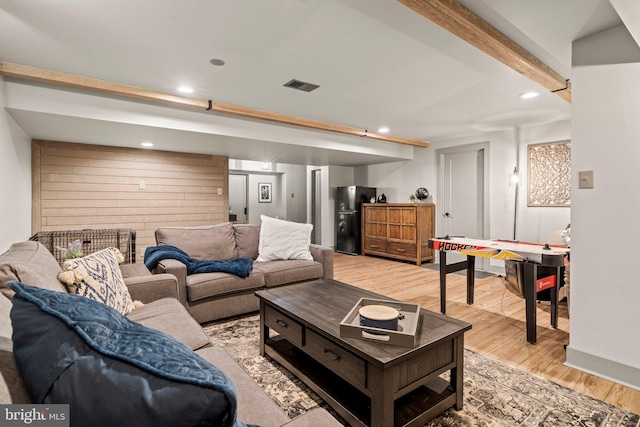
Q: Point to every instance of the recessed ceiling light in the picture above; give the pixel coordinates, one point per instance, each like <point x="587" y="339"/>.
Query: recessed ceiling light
<point x="185" y="89"/>
<point x="217" y="62"/>
<point x="529" y="95"/>
<point x="147" y="144"/>
<point x="383" y="129"/>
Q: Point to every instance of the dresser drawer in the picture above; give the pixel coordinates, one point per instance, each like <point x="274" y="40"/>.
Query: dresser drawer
<point x="284" y="325"/>
<point x="403" y="249"/>
<point x="375" y="245"/>
<point x="345" y="364"/>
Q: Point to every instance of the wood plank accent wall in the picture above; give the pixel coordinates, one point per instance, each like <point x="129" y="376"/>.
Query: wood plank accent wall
<point x="78" y="186"/>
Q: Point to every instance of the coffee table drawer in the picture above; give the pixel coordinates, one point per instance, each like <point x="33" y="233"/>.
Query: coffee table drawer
<point x="290" y="329"/>
<point x="337" y="359"/>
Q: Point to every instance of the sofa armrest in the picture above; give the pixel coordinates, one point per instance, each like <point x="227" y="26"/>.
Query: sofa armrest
<point x="324" y="255"/>
<point x="152" y="287"/>
<point x="177" y="269"/>
<point x="145" y="287"/>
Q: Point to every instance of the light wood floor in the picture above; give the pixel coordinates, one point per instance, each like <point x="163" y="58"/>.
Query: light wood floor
<point x="497" y="317"/>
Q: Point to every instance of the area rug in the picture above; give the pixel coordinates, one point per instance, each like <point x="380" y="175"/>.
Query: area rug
<point x="479" y="274"/>
<point x="495" y="394"/>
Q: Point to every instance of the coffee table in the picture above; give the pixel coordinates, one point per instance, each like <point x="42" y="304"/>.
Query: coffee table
<point x="367" y="383"/>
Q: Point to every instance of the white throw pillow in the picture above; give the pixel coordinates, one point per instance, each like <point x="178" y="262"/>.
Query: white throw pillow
<point x="283" y="240"/>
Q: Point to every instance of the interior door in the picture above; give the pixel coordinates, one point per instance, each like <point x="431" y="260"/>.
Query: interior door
<point x="462" y="197"/>
<point x="238" y="197"/>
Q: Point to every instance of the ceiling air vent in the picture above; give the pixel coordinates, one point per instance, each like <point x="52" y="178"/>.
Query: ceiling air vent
<point x="297" y="84"/>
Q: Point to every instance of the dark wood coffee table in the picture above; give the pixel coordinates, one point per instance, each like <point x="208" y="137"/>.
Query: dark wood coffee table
<point x="367" y="383"/>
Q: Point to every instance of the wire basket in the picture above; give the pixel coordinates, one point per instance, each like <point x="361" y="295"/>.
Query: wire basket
<point x="92" y="240"/>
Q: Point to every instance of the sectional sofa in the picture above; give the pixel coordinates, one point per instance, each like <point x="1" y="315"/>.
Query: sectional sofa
<point x="45" y="314"/>
<point x="216" y="295"/>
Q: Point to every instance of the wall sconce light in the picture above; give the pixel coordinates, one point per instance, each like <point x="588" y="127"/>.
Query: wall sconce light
<point x="515" y="181"/>
<point x="266" y="166"/>
<point x="515" y="176"/>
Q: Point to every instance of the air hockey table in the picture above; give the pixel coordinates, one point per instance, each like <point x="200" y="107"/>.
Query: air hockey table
<point x="531" y="256"/>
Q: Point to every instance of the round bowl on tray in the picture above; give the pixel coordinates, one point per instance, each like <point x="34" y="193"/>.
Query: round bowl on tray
<point x="379" y="316"/>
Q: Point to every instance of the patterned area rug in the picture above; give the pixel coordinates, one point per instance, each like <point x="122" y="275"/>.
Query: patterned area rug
<point x="495" y="394"/>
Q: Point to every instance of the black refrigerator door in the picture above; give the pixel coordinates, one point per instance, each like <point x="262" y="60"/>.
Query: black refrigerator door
<point x="364" y="195"/>
<point x="347" y="233"/>
<point x="349" y="198"/>
<point x="346" y="199"/>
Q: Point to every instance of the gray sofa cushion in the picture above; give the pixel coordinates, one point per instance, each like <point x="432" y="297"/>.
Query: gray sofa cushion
<point x="205" y="285"/>
<point x="169" y="316"/>
<point x="247" y="240"/>
<point x="213" y="242"/>
<point x="5" y="322"/>
<point x="12" y="388"/>
<point x="282" y="272"/>
<point x="29" y="262"/>
<point x="254" y="406"/>
<point x="96" y="360"/>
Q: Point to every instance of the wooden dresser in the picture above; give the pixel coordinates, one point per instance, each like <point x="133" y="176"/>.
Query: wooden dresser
<point x="398" y="230"/>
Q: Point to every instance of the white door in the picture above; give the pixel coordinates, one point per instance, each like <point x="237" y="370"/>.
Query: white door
<point x="238" y="197"/>
<point x="462" y="199"/>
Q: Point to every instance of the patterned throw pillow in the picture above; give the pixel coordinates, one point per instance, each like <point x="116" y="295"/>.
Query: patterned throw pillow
<point x="97" y="276"/>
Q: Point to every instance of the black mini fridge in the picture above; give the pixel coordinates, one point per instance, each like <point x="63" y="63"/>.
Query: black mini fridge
<point x="348" y="210"/>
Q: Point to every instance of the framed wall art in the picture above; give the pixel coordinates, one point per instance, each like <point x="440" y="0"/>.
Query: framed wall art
<point x="549" y="174"/>
<point x="264" y="192"/>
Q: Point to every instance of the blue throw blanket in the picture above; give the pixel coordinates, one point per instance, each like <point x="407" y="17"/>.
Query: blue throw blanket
<point x="154" y="373"/>
<point x="241" y="267"/>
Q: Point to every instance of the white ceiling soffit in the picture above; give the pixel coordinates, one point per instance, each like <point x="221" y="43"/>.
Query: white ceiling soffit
<point x="56" y="114"/>
<point x="629" y="12"/>
<point x="377" y="63"/>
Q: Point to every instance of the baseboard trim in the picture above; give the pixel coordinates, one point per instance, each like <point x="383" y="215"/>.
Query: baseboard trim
<point x="605" y="368"/>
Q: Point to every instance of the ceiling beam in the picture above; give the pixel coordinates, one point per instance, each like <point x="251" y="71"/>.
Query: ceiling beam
<point x="87" y="83"/>
<point x="457" y="19"/>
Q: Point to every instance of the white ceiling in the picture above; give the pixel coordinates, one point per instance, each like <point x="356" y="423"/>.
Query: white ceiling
<point x="377" y="63"/>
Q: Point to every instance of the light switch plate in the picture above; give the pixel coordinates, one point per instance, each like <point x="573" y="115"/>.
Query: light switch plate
<point x="585" y="179"/>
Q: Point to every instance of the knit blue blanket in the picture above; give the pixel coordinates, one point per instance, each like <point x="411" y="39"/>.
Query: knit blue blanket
<point x="147" y="353"/>
<point x="241" y="267"/>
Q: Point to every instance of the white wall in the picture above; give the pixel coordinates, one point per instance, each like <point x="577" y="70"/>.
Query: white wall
<point x="397" y="180"/>
<point x="15" y="180"/>
<point x="273" y="209"/>
<point x="536" y="224"/>
<point x="294" y="191"/>
<point x="605" y="290"/>
<point x="400" y="179"/>
<point x="285" y="180"/>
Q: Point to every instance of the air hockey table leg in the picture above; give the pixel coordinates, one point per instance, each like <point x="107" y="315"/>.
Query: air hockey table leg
<point x="554" y="298"/>
<point x="443" y="282"/>
<point x="471" y="273"/>
<point x="530" y="273"/>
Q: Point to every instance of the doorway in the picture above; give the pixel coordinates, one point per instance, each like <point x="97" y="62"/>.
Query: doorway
<point x="238" y="197"/>
<point x="462" y="196"/>
<point x="316" y="216"/>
